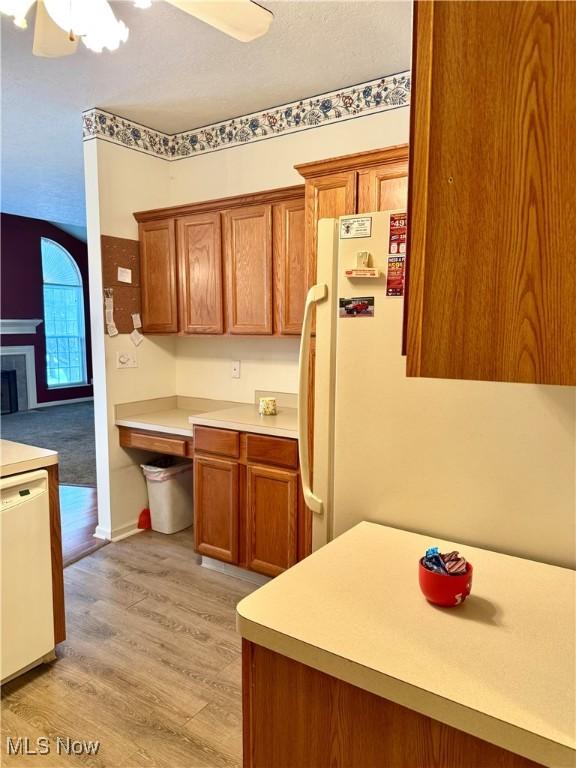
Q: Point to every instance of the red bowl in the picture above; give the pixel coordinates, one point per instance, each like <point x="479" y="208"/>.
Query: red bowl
<point x="443" y="589"/>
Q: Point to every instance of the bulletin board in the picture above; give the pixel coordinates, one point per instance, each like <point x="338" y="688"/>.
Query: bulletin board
<point x="120" y="252"/>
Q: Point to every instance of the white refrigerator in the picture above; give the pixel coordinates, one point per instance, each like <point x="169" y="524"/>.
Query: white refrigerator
<point x="475" y="462"/>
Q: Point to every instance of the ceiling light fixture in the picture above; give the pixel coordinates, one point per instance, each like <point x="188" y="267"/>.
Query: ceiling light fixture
<point x="18" y="10"/>
<point x="60" y="24"/>
<point x="93" y="21"/>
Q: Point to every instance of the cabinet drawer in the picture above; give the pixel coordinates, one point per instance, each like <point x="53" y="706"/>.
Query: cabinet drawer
<point x="272" y="450"/>
<point x="223" y="442"/>
<point x="150" y="441"/>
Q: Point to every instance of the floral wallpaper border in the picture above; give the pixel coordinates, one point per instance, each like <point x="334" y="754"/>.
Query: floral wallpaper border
<point x="379" y="95"/>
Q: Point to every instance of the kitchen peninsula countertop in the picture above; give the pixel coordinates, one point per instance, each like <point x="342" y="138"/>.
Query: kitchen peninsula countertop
<point x="18" y="457"/>
<point x="178" y="415"/>
<point x="500" y="666"/>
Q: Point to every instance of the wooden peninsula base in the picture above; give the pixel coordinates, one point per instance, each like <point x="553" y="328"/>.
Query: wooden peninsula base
<point x="298" y="717"/>
<point x="56" y="555"/>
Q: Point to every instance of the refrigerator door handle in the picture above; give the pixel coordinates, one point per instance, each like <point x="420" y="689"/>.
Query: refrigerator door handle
<point x="316" y="294"/>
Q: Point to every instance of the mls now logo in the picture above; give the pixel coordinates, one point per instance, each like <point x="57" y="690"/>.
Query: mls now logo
<point x="22" y="745"/>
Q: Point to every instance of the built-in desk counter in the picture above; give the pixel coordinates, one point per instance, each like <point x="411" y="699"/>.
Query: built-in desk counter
<point x="178" y="416"/>
<point x="249" y="510"/>
<point x="500" y="667"/>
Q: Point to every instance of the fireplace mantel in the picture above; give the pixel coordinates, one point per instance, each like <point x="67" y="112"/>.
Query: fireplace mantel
<point x="19" y="327"/>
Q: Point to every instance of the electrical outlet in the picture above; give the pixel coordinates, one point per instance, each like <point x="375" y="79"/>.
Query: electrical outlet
<point x="236" y="369"/>
<point x="126" y="359"/>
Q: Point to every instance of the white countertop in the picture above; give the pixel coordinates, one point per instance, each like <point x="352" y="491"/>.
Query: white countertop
<point x="173" y="420"/>
<point x="245" y="418"/>
<point x="166" y="414"/>
<point x="501" y="666"/>
<point x="179" y="415"/>
<point x="18" y="457"/>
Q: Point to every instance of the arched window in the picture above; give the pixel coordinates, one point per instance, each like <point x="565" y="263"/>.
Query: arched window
<point x="64" y="323"/>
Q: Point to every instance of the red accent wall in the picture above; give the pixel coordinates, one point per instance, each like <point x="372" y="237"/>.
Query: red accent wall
<point x="21" y="292"/>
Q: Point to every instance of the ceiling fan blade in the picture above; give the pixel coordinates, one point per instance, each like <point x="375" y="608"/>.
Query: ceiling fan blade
<point x="241" y="19"/>
<point x="49" y="40"/>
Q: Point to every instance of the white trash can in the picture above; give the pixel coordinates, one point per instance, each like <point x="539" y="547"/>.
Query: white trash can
<point x="169" y="494"/>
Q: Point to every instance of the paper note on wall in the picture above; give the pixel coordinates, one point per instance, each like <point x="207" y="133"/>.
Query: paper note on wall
<point x="136" y="338"/>
<point x="124" y="275"/>
<point x="109" y="312"/>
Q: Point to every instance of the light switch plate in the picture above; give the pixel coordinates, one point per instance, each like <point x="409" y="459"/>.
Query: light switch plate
<point x="126" y="359"/>
<point x="236" y="369"/>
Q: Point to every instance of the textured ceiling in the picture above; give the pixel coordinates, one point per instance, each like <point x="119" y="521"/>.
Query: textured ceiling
<point x="176" y="73"/>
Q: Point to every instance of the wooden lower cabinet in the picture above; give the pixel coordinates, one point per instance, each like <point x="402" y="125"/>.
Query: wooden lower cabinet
<point x="248" y="504"/>
<point x="156" y="442"/>
<point x="216" y="506"/>
<point x="294" y="715"/>
<point x="271" y="519"/>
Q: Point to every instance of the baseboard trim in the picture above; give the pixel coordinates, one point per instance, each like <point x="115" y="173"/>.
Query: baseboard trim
<point x="120" y="534"/>
<point x="234" y="570"/>
<point x="102" y="533"/>
<point x="62" y="402"/>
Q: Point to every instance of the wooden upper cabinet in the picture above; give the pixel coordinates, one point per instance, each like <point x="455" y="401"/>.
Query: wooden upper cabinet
<point x="290" y="267"/>
<point x="200" y="271"/>
<point x="158" y="276"/>
<point x="202" y="257"/>
<point x="326" y="197"/>
<point x="492" y="211"/>
<point x="248" y="269"/>
<point x="384" y="188"/>
<point x="338" y="186"/>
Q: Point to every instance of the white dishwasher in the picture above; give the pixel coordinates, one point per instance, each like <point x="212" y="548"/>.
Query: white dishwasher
<point x="26" y="611"/>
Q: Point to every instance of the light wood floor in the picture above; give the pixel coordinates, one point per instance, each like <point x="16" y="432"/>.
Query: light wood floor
<point x="151" y="666"/>
<point x="79" y="518"/>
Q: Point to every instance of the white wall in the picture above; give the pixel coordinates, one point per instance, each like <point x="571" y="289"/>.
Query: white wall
<point x="204" y="365"/>
<point x="500" y="458"/>
<point x="530" y="491"/>
<point x="270" y="163"/>
<point x="119" y="182"/>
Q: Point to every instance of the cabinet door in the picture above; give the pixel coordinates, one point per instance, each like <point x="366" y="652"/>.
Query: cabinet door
<point x="216" y="508"/>
<point x="271" y="521"/>
<point x="327" y="197"/>
<point x="290" y="272"/>
<point x="158" y="277"/>
<point x="492" y="275"/>
<point x="200" y="272"/>
<point x="248" y="269"/>
<point x="383" y="188"/>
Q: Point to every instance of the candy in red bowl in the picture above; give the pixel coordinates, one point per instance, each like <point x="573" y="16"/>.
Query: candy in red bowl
<point x="444" y="579"/>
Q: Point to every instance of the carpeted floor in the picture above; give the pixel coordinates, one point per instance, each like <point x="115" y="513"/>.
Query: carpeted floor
<point x="68" y="429"/>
